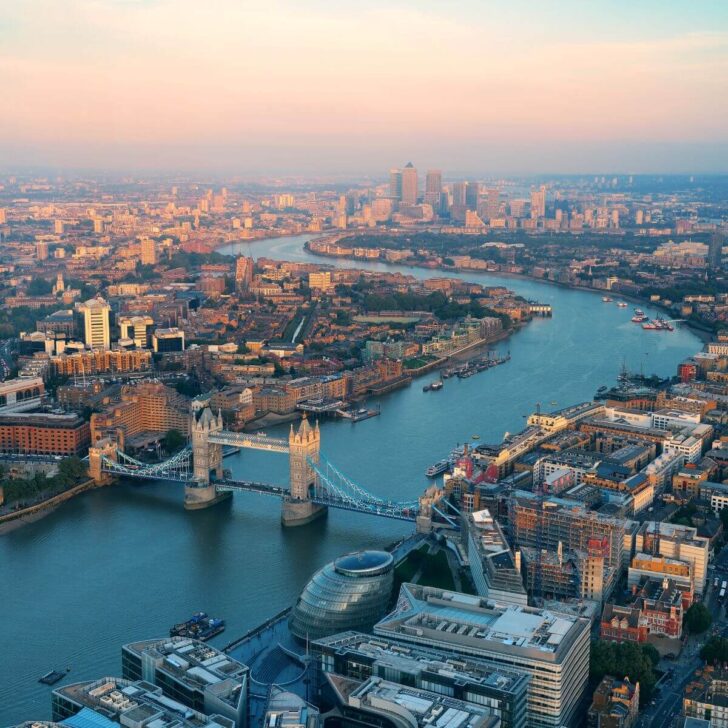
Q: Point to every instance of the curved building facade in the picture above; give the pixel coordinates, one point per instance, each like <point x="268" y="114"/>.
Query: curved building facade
<point x="351" y="593"/>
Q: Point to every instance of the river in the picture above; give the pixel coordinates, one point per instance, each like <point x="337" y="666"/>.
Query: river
<point x="123" y="563"/>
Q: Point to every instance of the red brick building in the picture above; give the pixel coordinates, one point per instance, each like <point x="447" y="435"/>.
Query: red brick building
<point x="44" y="434"/>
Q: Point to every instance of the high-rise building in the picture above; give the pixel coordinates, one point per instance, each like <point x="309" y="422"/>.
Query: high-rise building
<point x="715" y="249"/>
<point x="148" y="254"/>
<point x="433" y="188"/>
<point x="459" y="190"/>
<point x="492" y="203"/>
<point x="410" y="185"/>
<point x="395" y="184"/>
<point x="243" y="273"/>
<point x="3" y="216"/>
<point x="172" y="339"/>
<point x="538" y="202"/>
<point x="472" y="192"/>
<point x="137" y="329"/>
<point x="96" y="314"/>
<point x="41" y="250"/>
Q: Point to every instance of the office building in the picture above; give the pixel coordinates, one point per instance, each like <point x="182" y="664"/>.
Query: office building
<point x="359" y="656"/>
<point x="376" y="702"/>
<point x="553" y="649"/>
<point x="538" y="202"/>
<point x="191" y="672"/>
<point x="495" y="570"/>
<point x="148" y="251"/>
<point x="136" y="329"/>
<point x="132" y="704"/>
<point x="410" y="185"/>
<point x="43" y="434"/>
<point x="351" y="592"/>
<point x="676" y="542"/>
<point x="96" y="315"/>
<point x="491" y="208"/>
<point x="288" y="710"/>
<point x="166" y="340"/>
<point x="715" y="250"/>
<point x="472" y="194"/>
<point x="395" y="184"/>
<point x="433" y="189"/>
<point x="41" y="250"/>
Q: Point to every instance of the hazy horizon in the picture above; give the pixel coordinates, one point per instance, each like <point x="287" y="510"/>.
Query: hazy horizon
<point x="276" y="87"/>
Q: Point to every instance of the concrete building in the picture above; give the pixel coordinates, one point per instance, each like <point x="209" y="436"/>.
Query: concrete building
<point x="166" y="340"/>
<point x="410" y="185"/>
<point x="20" y="395"/>
<point x="553" y="649"/>
<point x="495" y="570"/>
<point x="136" y="329"/>
<point x="191" y="672"/>
<point x="676" y="542"/>
<point x="96" y="323"/>
<point x="132" y="704"/>
<point x="360" y="656"/>
<point x="706" y="697"/>
<point x="148" y="251"/>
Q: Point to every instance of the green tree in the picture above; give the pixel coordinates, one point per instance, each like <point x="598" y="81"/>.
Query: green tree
<point x="626" y="659"/>
<point x="715" y="650"/>
<point x="173" y="440"/>
<point x="698" y="618"/>
<point x="39" y="287"/>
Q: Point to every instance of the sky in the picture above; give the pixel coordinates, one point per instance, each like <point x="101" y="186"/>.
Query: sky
<point x="341" y="87"/>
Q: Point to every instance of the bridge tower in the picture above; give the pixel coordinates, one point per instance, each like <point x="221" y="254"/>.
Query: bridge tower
<point x="304" y="445"/>
<point x="103" y="448"/>
<point x="206" y="456"/>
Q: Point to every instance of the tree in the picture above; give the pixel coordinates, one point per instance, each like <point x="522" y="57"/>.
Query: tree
<point x="626" y="659"/>
<point x="39" y="287"/>
<point x="173" y="440"/>
<point x="715" y="650"/>
<point x="698" y="618"/>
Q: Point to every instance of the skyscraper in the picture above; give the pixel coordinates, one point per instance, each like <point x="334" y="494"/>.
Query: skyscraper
<point x="472" y="192"/>
<point x="395" y="183"/>
<point x="409" y="185"/>
<point x="96" y="324"/>
<point x="538" y="202"/>
<point x="459" y="194"/>
<point x="492" y="203"/>
<point x="715" y="249"/>
<point x="433" y="188"/>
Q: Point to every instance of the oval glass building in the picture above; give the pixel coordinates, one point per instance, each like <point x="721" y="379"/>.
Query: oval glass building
<point x="350" y="593"/>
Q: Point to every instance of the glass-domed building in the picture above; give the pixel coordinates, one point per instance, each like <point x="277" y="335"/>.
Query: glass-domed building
<point x="350" y="593"/>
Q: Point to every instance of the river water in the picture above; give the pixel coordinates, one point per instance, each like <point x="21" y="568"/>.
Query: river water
<point x="124" y="563"/>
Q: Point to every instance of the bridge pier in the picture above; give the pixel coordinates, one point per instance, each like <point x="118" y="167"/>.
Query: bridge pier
<point x="102" y="448"/>
<point x="206" y="456"/>
<point x="199" y="496"/>
<point x="298" y="509"/>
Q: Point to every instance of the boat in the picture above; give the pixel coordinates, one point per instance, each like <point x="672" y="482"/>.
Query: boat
<point x="52" y="677"/>
<point x="639" y="318"/>
<point x="650" y="326"/>
<point x="639" y="312"/>
<point x="475" y="437"/>
<point x="606" y="299"/>
<point x="621" y="304"/>
<point x="437" y="468"/>
<point x="199" y="627"/>
<point x="433" y="386"/>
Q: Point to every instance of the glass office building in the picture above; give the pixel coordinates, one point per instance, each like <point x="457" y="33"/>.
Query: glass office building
<point x="351" y="593"/>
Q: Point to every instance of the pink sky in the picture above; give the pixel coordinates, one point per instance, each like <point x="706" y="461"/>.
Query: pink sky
<point x="184" y="82"/>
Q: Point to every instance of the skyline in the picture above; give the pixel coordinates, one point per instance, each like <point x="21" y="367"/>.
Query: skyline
<point x="268" y="87"/>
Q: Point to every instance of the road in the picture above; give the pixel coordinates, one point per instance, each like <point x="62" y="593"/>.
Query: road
<point x="6" y="358"/>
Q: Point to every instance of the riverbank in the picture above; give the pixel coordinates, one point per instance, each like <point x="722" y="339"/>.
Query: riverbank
<point x="704" y="335"/>
<point x="30" y="514"/>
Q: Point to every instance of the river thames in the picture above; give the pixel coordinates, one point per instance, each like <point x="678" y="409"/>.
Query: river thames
<point x="124" y="563"/>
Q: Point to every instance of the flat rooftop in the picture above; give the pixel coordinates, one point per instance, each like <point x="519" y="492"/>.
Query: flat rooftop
<point x="474" y="624"/>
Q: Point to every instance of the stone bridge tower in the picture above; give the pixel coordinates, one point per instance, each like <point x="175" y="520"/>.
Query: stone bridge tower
<point x="304" y="445"/>
<point x="206" y="456"/>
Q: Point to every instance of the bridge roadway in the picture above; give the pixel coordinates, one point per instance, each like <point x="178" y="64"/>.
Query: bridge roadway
<point x="248" y="440"/>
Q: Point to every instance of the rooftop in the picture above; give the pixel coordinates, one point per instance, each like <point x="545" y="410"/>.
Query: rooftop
<point x="475" y="623"/>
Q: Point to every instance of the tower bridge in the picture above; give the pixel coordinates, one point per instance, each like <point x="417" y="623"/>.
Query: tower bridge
<point x="315" y="483"/>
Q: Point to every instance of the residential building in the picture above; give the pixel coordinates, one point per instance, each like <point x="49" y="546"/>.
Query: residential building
<point x="615" y="704"/>
<point x="96" y="323"/>
<point x="43" y="434"/>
